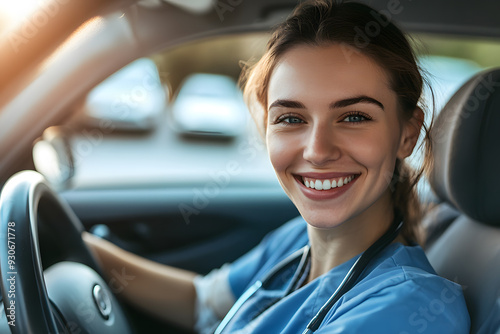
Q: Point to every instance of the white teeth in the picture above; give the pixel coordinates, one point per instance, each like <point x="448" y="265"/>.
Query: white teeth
<point x="322" y="184"/>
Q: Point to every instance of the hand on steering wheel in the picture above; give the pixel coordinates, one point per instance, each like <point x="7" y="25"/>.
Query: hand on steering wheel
<point x="70" y="296"/>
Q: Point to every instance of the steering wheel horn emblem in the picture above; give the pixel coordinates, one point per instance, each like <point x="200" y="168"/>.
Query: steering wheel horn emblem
<point x="102" y="301"/>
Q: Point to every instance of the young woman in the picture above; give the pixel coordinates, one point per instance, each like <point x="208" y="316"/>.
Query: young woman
<point x="336" y="96"/>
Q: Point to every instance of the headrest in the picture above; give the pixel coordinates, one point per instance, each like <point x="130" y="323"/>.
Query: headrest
<point x="466" y="139"/>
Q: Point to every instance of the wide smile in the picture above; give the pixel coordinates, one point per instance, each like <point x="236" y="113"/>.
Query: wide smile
<point x="325" y="186"/>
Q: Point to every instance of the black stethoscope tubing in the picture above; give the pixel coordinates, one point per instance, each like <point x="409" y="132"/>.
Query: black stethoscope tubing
<point x="347" y="283"/>
<point x="352" y="276"/>
<point x="303" y="253"/>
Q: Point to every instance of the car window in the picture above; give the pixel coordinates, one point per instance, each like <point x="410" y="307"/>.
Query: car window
<point x="447" y="63"/>
<point x="178" y="118"/>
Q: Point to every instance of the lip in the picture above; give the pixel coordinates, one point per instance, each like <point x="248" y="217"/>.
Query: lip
<point x="324" y="194"/>
<point x="324" y="175"/>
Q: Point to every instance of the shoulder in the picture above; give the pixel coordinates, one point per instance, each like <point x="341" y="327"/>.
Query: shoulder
<point x="402" y="293"/>
<point x="403" y="266"/>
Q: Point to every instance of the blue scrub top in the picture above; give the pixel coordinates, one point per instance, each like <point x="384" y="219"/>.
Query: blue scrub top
<point x="398" y="293"/>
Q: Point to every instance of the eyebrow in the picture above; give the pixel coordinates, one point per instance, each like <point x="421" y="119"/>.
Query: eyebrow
<point x="287" y="104"/>
<point x="355" y="100"/>
<point x="338" y="104"/>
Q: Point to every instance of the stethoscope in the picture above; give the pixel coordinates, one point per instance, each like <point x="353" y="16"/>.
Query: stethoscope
<point x="300" y="257"/>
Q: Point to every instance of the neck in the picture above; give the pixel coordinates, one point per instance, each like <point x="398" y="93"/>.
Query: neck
<point x="333" y="246"/>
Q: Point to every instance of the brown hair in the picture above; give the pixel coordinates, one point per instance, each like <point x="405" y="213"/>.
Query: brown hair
<point x="356" y="28"/>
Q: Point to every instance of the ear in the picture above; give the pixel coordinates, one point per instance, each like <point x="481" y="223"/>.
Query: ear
<point x="411" y="132"/>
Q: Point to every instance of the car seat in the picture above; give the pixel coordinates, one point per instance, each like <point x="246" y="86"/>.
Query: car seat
<point x="465" y="245"/>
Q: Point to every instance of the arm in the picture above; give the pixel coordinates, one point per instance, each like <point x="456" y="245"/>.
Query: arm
<point x="163" y="291"/>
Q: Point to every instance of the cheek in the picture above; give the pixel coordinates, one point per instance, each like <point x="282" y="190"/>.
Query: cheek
<point x="283" y="150"/>
<point x="278" y="152"/>
<point x="376" y="150"/>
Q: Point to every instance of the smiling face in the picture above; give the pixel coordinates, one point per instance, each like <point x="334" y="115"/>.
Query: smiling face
<point x="333" y="134"/>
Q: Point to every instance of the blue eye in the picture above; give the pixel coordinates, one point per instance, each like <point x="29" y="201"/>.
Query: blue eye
<point x="356" y="117"/>
<point x="289" y="120"/>
<point x="292" y="120"/>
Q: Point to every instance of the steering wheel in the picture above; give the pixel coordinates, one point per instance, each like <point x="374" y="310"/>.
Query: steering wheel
<point x="72" y="297"/>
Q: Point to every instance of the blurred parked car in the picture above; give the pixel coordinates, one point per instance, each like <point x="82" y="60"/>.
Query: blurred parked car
<point x="209" y="104"/>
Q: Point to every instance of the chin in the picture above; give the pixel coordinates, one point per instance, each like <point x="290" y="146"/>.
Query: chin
<point x="322" y="221"/>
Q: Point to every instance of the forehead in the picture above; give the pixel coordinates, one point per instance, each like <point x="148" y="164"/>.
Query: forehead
<point x="326" y="73"/>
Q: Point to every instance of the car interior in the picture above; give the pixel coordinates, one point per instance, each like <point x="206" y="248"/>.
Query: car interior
<point x="165" y="183"/>
<point x="466" y="244"/>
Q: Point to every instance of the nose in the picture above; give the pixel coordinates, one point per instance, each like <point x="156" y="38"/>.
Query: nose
<point x="321" y="146"/>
